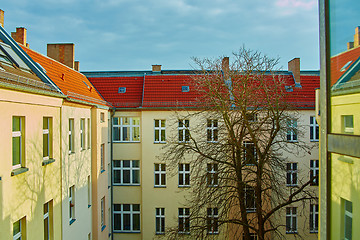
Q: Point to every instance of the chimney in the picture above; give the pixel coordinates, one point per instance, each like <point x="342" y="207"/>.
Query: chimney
<point x="350" y="45"/>
<point x="62" y="52"/>
<point x="2" y="13"/>
<point x="156" y="68"/>
<point x="357" y="37"/>
<point x="77" y="65"/>
<point x="20" y="35"/>
<point x="294" y="67"/>
<point x="225" y="67"/>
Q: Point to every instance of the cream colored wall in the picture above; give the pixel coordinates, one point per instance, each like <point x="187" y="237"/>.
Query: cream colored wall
<point x="76" y="167"/>
<point x="345" y="170"/>
<point x="99" y="135"/>
<point x="25" y="194"/>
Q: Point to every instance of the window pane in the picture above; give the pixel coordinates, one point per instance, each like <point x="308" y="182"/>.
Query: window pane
<point x="136" y="207"/>
<point x="126" y="134"/>
<point x="117" y="176"/>
<point x="135" y="163"/>
<point x="126" y="163"/>
<point x="117" y="221"/>
<point x="16" y="124"/>
<point x="45" y="145"/>
<point x="163" y="135"/>
<point x="127" y="225"/>
<point x="116" y="134"/>
<point x="16" y="150"/>
<point x="16" y="227"/>
<point x="136" y="176"/>
<point x="136" y="220"/>
<point x="136" y="134"/>
<point x="126" y="178"/>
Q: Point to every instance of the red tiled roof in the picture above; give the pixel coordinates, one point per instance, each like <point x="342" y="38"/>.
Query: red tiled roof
<point x="339" y="61"/>
<point x="72" y="83"/>
<point x="165" y="90"/>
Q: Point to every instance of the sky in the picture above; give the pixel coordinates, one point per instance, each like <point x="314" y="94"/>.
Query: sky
<point x="121" y="35"/>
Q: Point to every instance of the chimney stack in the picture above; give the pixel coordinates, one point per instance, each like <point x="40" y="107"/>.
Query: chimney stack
<point x="77" y="65"/>
<point x="2" y="13"/>
<point x="62" y="52"/>
<point x="357" y="37"/>
<point x="20" y="35"/>
<point x="294" y="67"/>
<point x="156" y="68"/>
<point x="225" y="67"/>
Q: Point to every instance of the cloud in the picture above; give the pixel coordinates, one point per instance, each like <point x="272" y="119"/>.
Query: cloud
<point x="303" y="4"/>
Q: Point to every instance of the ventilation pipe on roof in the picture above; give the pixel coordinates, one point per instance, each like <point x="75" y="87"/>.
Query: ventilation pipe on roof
<point x="156" y="68"/>
<point x="77" y="65"/>
<point x="62" y="52"/>
<point x="2" y="13"/>
<point x="20" y="36"/>
<point x="294" y="67"/>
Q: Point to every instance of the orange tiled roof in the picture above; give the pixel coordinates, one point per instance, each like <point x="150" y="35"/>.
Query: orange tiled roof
<point x="71" y="82"/>
<point x="339" y="61"/>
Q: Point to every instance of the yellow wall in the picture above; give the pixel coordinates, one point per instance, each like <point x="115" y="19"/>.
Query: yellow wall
<point x="24" y="195"/>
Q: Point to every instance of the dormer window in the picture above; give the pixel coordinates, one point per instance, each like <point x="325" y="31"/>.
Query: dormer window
<point x="122" y="90"/>
<point x="185" y="88"/>
<point x="343" y="69"/>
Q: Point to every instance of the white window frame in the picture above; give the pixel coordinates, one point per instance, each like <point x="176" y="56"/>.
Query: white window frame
<point x="159" y="129"/>
<point x="82" y="134"/>
<point x="72" y="203"/>
<point x="160" y="220"/>
<point x="212" y="131"/>
<point x="102" y="213"/>
<point x="160" y="173"/>
<point x="18" y="235"/>
<point x="348" y="218"/>
<point x="131" y="213"/>
<point x="132" y="170"/>
<point x="314" y="218"/>
<point x="314" y="171"/>
<point x="71" y="136"/>
<point x="314" y="129"/>
<point x="291" y="135"/>
<point x="184" y="130"/>
<point x="348" y="124"/>
<point x="212" y="179"/>
<point x="247" y="161"/>
<point x="291" y="215"/>
<point x="47" y="136"/>
<point x="184" y="175"/>
<point x="131" y="128"/>
<point x="183" y="220"/>
<point x="89" y="190"/>
<point x="19" y="134"/>
<point x="47" y="216"/>
<point x="291" y="174"/>
<point x="102" y="157"/>
<point x="250" y="196"/>
<point x="212" y="221"/>
<point x="88" y="134"/>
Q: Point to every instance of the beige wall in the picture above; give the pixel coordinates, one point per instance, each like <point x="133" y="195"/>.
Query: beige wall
<point x="24" y="195"/>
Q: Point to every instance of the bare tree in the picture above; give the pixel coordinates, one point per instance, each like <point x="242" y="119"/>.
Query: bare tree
<point x="238" y="164"/>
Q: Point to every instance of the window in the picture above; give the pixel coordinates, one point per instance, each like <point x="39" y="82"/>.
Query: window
<point x="184" y="175"/>
<point x="160" y="220"/>
<point x="347" y="219"/>
<point x="160" y="175"/>
<point x="212" y="174"/>
<point x="122" y="90"/>
<point x="19" y="229"/>
<point x="348" y="124"/>
<point x="159" y="128"/>
<point x="212" y="221"/>
<point x="89" y="190"/>
<point x="48" y="220"/>
<point x="291" y="174"/>
<point x="314" y="171"/>
<point x="18" y="142"/>
<point x="72" y="204"/>
<point x="126" y="172"/>
<point x="185" y="88"/>
<point x="102" y="157"/>
<point x="126" y="217"/>
<point x="102" y="214"/>
<point x="250" y="156"/>
<point x="291" y="220"/>
<point x="184" y="133"/>
<point x="47" y="138"/>
<point x="126" y="129"/>
<point x="102" y="117"/>
<point x="88" y="134"/>
<point x="82" y="134"/>
<point x="212" y="130"/>
<point x="291" y="135"/>
<point x="314" y="129"/>
<point x="184" y="220"/>
<point x="71" y="136"/>
<point x="250" y="199"/>
<point x="314" y="218"/>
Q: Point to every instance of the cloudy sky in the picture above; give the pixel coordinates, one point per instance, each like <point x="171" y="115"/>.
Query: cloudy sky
<point x="119" y="35"/>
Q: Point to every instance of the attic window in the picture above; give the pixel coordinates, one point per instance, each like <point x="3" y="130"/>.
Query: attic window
<point x="289" y="88"/>
<point x="185" y="88"/>
<point x="41" y="66"/>
<point x="122" y="90"/>
<point x="343" y="69"/>
<point x="86" y="84"/>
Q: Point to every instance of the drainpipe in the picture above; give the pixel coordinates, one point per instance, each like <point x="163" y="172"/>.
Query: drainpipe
<point x="111" y="173"/>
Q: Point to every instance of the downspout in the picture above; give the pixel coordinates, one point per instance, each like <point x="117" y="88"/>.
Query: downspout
<point x="61" y="169"/>
<point x="111" y="173"/>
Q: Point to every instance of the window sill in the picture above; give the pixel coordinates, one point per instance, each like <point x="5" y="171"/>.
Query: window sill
<point x="160" y="143"/>
<point x="291" y="185"/>
<point x="72" y="221"/>
<point x="109" y="187"/>
<point x="126" y="185"/>
<point x="103" y="227"/>
<point x="102" y="170"/>
<point x="156" y="186"/>
<point x="126" y="141"/>
<point x="295" y="232"/>
<point x="184" y="186"/>
<point x="47" y="161"/>
<point x="213" y="233"/>
<point x="292" y="141"/>
<point x="119" y="231"/>
<point x="71" y="153"/>
<point x="314" y="140"/>
<point x="89" y="206"/>
<point x="18" y="171"/>
<point x="314" y="232"/>
<point x="158" y="233"/>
